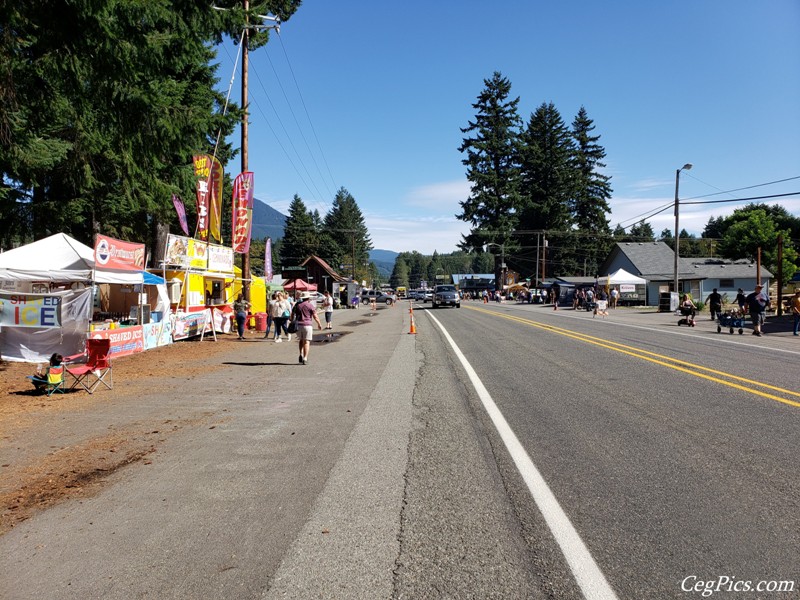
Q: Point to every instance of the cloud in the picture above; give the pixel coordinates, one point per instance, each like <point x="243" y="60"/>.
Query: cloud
<point x="421" y="233"/>
<point x="440" y="195"/>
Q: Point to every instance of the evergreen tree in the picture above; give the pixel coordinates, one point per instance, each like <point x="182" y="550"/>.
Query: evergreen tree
<point x="492" y="166"/>
<point x="298" y="234"/>
<point x="548" y="184"/>
<point x="642" y="232"/>
<point x="102" y="106"/>
<point x="592" y="193"/>
<point x="400" y="274"/>
<point x="349" y="237"/>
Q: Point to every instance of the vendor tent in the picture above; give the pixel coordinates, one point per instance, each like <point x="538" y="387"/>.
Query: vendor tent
<point x="621" y="276"/>
<point x="58" y="258"/>
<point x="298" y="285"/>
<point x="63" y="260"/>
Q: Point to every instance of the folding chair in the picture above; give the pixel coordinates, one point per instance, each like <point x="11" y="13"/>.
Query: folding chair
<point x="96" y="369"/>
<point x="54" y="382"/>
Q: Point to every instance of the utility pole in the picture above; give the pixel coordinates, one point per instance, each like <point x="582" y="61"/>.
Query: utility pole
<point x="245" y="116"/>
<point x="275" y="24"/>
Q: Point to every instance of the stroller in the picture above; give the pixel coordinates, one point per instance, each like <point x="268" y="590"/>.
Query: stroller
<point x="733" y="319"/>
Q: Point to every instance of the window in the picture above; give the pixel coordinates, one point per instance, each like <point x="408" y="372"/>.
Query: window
<point x="726" y="283"/>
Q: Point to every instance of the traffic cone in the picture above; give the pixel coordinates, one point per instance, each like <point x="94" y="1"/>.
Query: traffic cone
<point x="413" y="329"/>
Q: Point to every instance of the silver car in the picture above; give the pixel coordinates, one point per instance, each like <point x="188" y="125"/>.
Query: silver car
<point x="446" y="295"/>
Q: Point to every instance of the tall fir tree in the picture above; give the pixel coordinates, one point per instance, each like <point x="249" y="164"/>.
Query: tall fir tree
<point x="591" y="194"/>
<point x="547" y="187"/>
<point x="299" y="235"/>
<point x="345" y="226"/>
<point x="492" y="156"/>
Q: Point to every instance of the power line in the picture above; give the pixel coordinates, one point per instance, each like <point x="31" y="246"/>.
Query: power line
<point x="750" y="187"/>
<point x="742" y="199"/>
<point x="308" y="116"/>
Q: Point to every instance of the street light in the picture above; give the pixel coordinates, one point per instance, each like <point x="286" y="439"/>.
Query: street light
<point x="502" y="263"/>
<point x="685" y="167"/>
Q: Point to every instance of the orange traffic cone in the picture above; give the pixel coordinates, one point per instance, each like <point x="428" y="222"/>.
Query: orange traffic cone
<point x="413" y="326"/>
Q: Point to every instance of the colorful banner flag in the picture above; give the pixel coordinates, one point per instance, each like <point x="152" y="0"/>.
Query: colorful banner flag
<point x="116" y="255"/>
<point x="215" y="201"/>
<point x="202" y="170"/>
<point x="243" y="188"/>
<point x="181" y="210"/>
<point x="30" y="310"/>
<point x="268" y="261"/>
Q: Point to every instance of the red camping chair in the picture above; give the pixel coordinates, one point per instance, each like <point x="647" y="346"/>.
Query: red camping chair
<point x="96" y="369"/>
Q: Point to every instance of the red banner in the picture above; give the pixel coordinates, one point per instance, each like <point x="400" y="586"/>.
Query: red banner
<point x="202" y="170"/>
<point x="116" y="255"/>
<point x="243" y="188"/>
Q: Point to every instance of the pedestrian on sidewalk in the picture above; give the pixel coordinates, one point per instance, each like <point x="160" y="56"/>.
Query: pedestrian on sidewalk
<point x="305" y="314"/>
<point x="240" y="308"/>
<point x="741" y="300"/>
<point x="795" y="303"/>
<point x="757" y="303"/>
<point x="280" y="315"/>
<point x="715" y="302"/>
<point x="327" y="304"/>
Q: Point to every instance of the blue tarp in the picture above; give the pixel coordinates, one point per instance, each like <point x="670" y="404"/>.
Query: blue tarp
<point x="150" y="279"/>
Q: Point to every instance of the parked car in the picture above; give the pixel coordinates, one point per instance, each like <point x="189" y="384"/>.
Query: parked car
<point x="368" y="296"/>
<point x="446" y="295"/>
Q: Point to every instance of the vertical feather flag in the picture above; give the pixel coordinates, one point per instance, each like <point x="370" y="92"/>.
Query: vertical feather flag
<point x="243" y="187"/>
<point x="202" y="170"/>
<point x="181" y="210"/>
<point x="215" y="200"/>
<point x="268" y="261"/>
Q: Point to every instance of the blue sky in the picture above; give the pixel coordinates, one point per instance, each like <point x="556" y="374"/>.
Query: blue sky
<point x="371" y="95"/>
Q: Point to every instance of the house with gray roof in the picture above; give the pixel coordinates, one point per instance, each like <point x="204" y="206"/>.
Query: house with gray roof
<point x="655" y="262"/>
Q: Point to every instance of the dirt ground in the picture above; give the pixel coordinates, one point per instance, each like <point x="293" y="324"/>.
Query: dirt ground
<point x="44" y="475"/>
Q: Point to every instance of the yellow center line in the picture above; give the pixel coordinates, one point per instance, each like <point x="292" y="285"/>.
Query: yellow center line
<point x="659" y="359"/>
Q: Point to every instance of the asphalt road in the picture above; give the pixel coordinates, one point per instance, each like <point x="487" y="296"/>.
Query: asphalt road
<point x="377" y="472"/>
<point x="666" y="471"/>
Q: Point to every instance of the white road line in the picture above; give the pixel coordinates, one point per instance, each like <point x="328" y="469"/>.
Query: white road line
<point x="587" y="574"/>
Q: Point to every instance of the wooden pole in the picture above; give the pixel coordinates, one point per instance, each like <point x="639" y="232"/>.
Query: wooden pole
<point x="244" y="150"/>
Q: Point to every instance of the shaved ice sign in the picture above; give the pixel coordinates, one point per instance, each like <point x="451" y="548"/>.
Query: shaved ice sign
<point x="30" y="310"/>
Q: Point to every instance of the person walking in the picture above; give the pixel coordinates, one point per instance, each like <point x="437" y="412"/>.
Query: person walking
<point x="795" y="304"/>
<point x="280" y="315"/>
<point x="305" y="314"/>
<point x="757" y="303"/>
<point x="715" y="302"/>
<point x="614" y="297"/>
<point x="741" y="300"/>
<point x="270" y="301"/>
<point x="240" y="308"/>
<point x="327" y="305"/>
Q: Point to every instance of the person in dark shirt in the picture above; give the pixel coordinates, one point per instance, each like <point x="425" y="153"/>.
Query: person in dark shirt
<point x="757" y="303"/>
<point x="715" y="303"/>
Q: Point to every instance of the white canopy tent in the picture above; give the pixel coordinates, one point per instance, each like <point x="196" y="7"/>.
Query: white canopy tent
<point x="59" y="259"/>
<point x="621" y="276"/>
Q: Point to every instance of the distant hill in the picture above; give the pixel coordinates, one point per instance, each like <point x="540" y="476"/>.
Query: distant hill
<point x="267" y="222"/>
<point x="384" y="260"/>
